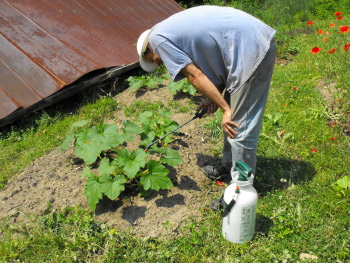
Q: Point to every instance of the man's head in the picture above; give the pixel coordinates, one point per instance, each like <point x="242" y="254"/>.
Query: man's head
<point x="149" y="60"/>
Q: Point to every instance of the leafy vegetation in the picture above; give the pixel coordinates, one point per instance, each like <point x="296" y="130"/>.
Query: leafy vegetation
<point x="153" y="81"/>
<point x="103" y="145"/>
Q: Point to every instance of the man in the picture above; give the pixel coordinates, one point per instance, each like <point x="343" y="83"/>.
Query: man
<point x="228" y="56"/>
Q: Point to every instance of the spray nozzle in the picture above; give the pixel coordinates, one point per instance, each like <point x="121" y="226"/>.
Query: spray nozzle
<point x="244" y="171"/>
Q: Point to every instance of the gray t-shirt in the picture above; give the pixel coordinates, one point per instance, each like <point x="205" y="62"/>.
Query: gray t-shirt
<point x="225" y="43"/>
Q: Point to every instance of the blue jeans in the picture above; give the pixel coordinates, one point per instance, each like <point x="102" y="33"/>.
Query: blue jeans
<point x="248" y="106"/>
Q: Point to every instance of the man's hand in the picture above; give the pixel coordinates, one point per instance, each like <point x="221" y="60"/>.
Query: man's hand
<point x="209" y="105"/>
<point x="215" y="99"/>
<point x="229" y="126"/>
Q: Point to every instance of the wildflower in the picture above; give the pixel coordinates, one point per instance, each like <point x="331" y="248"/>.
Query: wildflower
<point x="219" y="183"/>
<point x="332" y="25"/>
<point x="331" y="139"/>
<point x="332" y="124"/>
<point x="281" y="133"/>
<point x="346" y="47"/>
<point x="327" y="33"/>
<point x="332" y="51"/>
<point x="339" y="18"/>
<point x="314" y="150"/>
<point x="310" y="23"/>
<point x="325" y="39"/>
<point x="320" y="31"/>
<point x="338" y="14"/>
<point x="315" y="50"/>
<point x="294" y="88"/>
<point x="284" y="105"/>
<point x="298" y="157"/>
<point x="344" y="29"/>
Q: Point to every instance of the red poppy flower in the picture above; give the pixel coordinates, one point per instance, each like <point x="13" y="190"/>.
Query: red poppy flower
<point x="346" y="47"/>
<point x="338" y="13"/>
<point x="331" y="139"/>
<point x="332" y="124"/>
<point x="315" y="50"/>
<point x="309" y="23"/>
<point x="320" y="31"/>
<point x="332" y="25"/>
<point x="332" y="51"/>
<point x="219" y="183"/>
<point x="325" y="39"/>
<point x="344" y="29"/>
<point x="339" y="18"/>
<point x="327" y="33"/>
<point x="314" y="150"/>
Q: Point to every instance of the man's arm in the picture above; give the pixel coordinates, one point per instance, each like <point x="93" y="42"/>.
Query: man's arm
<point x="201" y="82"/>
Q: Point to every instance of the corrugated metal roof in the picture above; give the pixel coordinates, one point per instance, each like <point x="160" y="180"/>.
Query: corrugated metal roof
<point x="46" y="45"/>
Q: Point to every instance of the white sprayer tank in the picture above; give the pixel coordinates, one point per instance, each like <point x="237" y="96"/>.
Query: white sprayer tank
<point x="240" y="199"/>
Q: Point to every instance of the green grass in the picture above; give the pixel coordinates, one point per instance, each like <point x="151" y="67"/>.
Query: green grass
<point x="44" y="131"/>
<point x="303" y="151"/>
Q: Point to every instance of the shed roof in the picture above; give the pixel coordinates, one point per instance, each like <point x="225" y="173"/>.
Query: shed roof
<point x="47" y="45"/>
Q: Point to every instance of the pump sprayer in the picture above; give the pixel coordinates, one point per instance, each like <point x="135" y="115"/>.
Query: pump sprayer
<point x="240" y="199"/>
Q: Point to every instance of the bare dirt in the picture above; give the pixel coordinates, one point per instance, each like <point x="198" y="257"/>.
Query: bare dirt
<point x="53" y="182"/>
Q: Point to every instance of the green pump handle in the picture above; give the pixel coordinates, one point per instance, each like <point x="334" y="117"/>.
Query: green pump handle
<point x="241" y="167"/>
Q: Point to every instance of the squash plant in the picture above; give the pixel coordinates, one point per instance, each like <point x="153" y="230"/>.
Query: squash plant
<point x="110" y="166"/>
<point x="153" y="81"/>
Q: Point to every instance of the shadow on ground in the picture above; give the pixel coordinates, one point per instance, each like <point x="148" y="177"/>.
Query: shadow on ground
<point x="271" y="173"/>
<point x="280" y="173"/>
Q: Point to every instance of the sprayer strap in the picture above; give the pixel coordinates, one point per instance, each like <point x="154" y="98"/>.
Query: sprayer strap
<point x="228" y="208"/>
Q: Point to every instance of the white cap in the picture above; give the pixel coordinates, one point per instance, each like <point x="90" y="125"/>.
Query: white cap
<point x="142" y="43"/>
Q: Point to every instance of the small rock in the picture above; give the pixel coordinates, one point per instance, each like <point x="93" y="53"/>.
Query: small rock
<point x="303" y="256"/>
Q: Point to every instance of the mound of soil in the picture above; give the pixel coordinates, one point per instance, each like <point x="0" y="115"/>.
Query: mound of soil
<point x="54" y="181"/>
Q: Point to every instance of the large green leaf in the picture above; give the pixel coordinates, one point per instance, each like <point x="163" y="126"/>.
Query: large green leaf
<point x="136" y="82"/>
<point x="156" y="177"/>
<point x="104" y="137"/>
<point x="145" y="116"/>
<point x="92" y="191"/>
<point x="112" y="187"/>
<point x="175" y="86"/>
<point x="146" y="139"/>
<point x="88" y="152"/>
<point x="70" y="134"/>
<point x="81" y="137"/>
<point x="67" y="140"/>
<point x="164" y="113"/>
<point x="106" y="168"/>
<point x="171" y="157"/>
<point x="131" y="162"/>
<point x="132" y="128"/>
<point x="111" y="138"/>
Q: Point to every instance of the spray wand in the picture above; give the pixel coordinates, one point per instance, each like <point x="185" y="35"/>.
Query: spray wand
<point x="199" y="114"/>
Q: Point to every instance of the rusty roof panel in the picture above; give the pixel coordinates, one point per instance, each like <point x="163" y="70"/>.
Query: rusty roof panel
<point x="46" y="45"/>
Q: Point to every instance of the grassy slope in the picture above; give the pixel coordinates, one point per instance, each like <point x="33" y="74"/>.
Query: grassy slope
<point x="302" y="215"/>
